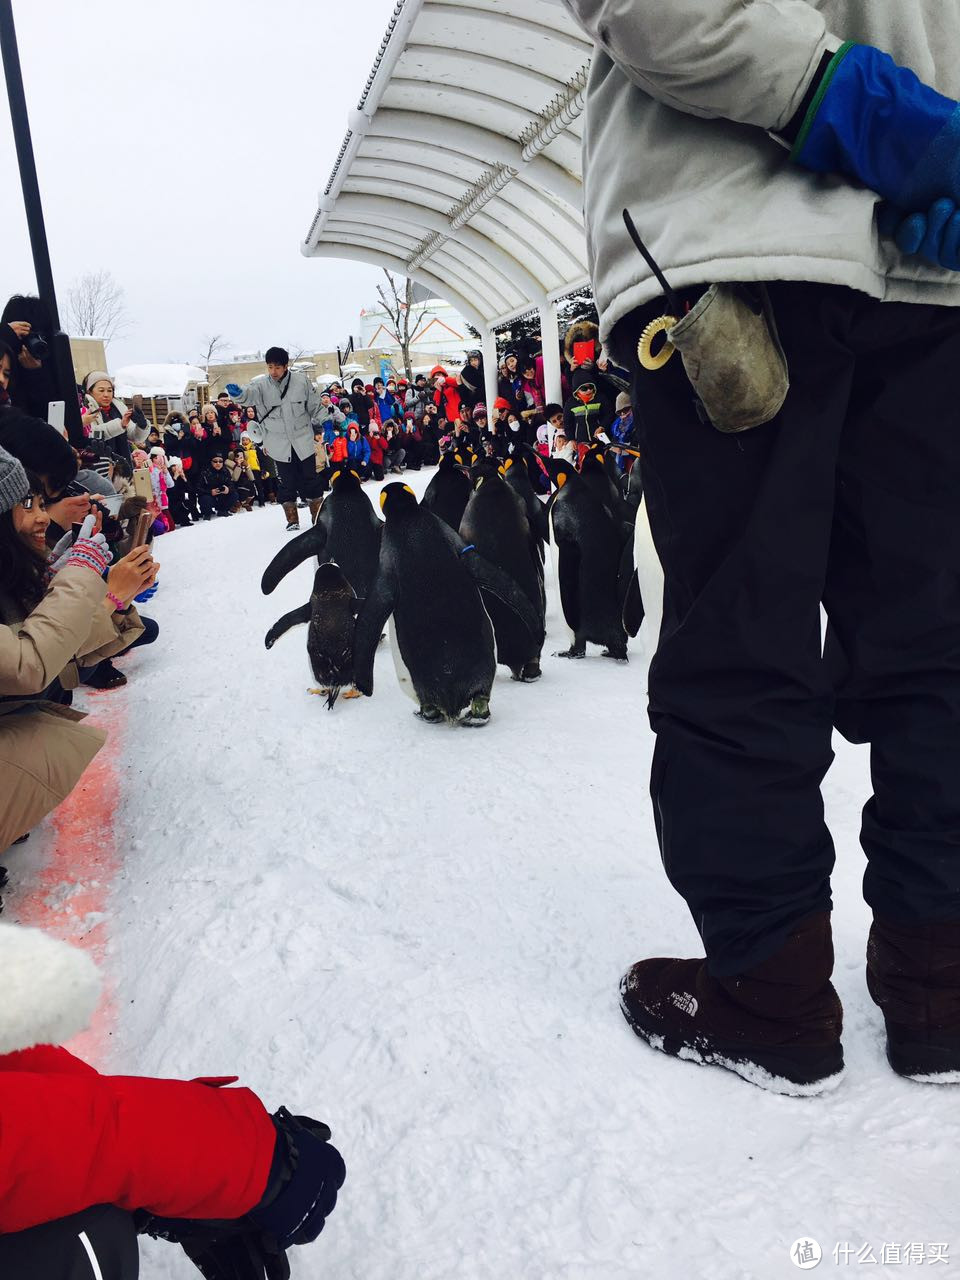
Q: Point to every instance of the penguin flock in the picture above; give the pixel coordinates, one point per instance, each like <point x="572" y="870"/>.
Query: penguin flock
<point x="459" y="577"/>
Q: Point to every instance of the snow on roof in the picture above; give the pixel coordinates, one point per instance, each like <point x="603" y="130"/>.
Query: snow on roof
<point x="157" y="379"/>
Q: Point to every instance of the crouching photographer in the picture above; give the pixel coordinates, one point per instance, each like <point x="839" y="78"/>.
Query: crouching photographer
<point x="56" y="613"/>
<point x="89" y="1161"/>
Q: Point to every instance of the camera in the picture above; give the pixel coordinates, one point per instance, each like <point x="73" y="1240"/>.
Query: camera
<point x="36" y="346"/>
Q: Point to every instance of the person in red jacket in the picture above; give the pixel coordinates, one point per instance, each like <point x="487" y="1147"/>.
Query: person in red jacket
<point x="337" y="451"/>
<point x="88" y="1161"/>
<point x="378" y="450"/>
<point x="446" y="393"/>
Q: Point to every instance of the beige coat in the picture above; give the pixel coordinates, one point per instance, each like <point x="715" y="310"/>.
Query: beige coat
<point x="43" y="746"/>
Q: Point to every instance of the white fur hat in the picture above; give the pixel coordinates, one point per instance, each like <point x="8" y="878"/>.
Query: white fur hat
<point x="50" y="989"/>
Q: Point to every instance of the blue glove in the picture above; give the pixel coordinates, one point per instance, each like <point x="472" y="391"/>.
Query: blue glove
<point x="144" y="596"/>
<point x="875" y="122"/>
<point x="933" y="236"/>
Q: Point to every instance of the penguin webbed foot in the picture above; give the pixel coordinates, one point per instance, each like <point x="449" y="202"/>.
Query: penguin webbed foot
<point x="430" y="715"/>
<point x="478" y="714"/>
<point x="618" y="655"/>
<point x="528" y="673"/>
<point x="573" y="652"/>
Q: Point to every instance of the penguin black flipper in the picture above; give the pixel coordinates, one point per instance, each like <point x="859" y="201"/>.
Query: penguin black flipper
<point x="500" y="585"/>
<point x="309" y="543"/>
<point x="371" y="621"/>
<point x="295" y="618"/>
<point x="633" y="612"/>
<point x="628" y="591"/>
<point x="568" y="573"/>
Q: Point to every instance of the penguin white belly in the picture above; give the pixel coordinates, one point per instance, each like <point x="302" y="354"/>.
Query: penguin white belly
<point x="553" y="551"/>
<point x="403" y="675"/>
<point x="650" y="575"/>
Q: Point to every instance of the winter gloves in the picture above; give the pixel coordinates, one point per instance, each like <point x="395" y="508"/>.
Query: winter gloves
<point x="877" y="123"/>
<point x="301" y="1192"/>
<point x="874" y="121"/>
<point x="88" y="549"/>
<point x="302" y="1188"/>
<point x="933" y="236"/>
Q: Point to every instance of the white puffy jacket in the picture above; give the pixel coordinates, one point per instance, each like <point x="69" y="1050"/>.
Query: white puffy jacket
<point x="680" y="101"/>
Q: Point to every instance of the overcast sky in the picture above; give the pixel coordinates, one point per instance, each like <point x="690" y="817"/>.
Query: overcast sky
<point x="182" y="147"/>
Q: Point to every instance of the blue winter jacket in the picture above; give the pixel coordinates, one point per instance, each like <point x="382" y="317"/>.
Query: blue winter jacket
<point x="359" y="450"/>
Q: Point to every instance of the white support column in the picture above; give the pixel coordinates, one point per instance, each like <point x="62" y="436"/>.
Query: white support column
<point x="491" y="376"/>
<point x="549" y="325"/>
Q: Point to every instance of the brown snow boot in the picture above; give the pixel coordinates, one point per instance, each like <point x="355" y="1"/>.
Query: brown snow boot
<point x="777" y="1025"/>
<point x="315" y="505"/>
<point x="913" y="974"/>
<point x="293" y="516"/>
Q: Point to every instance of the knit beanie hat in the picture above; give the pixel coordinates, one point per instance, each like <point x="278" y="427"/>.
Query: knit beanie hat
<point x="623" y="402"/>
<point x="14" y="485"/>
<point x="98" y="375"/>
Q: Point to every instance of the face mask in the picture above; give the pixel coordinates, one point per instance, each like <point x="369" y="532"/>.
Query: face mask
<point x="514" y="426"/>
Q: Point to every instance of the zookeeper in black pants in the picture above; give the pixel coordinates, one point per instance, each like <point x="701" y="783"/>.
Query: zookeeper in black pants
<point x="799" y="192"/>
<point x="286" y="402"/>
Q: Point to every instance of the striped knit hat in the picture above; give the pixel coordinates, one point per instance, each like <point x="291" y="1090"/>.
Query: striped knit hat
<point x="14" y="485"/>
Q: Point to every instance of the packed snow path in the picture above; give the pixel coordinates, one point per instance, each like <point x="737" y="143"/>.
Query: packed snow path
<point x="416" y="934"/>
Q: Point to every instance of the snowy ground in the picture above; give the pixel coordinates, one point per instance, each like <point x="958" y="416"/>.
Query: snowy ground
<point x="416" y="933"/>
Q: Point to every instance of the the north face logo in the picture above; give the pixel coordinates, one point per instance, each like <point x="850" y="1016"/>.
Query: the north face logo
<point x="685" y="1003"/>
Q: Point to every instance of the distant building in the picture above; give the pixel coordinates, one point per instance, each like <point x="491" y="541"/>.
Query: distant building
<point x="164" y="387"/>
<point x="438" y="332"/>
<point x="88" y="354"/>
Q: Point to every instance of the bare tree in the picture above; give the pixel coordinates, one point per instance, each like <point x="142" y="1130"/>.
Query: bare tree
<point x="297" y="352"/>
<point x="96" y="307"/>
<point x="406" y="326"/>
<point x="213" y="344"/>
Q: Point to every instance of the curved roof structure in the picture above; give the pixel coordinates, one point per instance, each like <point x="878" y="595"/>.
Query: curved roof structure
<point x="461" y="164"/>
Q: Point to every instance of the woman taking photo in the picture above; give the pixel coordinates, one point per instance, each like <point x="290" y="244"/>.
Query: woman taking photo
<point x="54" y="617"/>
<point x="115" y="428"/>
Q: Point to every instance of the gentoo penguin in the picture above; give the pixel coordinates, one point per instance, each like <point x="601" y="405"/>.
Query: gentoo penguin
<point x="428" y="584"/>
<point x="594" y="565"/>
<point x="331" y="613"/>
<point x="347" y="531"/>
<point x="448" y="492"/>
<point x="495" y="523"/>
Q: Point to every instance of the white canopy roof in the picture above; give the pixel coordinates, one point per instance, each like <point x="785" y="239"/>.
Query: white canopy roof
<point x="156" y="379"/>
<point x="461" y="165"/>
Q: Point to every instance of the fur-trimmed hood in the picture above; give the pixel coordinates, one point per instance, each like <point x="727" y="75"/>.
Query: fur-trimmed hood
<point x="50" y="989"/>
<point x="580" y="331"/>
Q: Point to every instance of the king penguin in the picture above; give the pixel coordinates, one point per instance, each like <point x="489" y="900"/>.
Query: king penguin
<point x="331" y="614"/>
<point x="347" y="531"/>
<point x="428" y="584"/>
